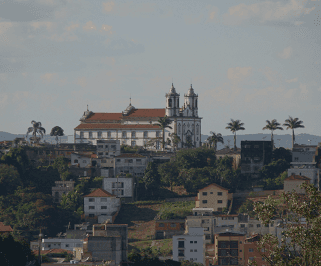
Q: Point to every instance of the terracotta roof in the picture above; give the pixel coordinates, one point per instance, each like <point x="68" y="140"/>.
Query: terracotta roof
<point x="213" y="184"/>
<point x="147" y="113"/>
<point x="100" y="193"/>
<point x="5" y="228"/>
<point x="130" y="155"/>
<point x="104" y="117"/>
<point x="113" y="126"/>
<point x="296" y="177"/>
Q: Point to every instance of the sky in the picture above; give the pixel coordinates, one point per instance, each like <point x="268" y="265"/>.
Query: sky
<point x="248" y="60"/>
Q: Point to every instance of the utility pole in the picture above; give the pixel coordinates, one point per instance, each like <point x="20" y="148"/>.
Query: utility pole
<point x="39" y="242"/>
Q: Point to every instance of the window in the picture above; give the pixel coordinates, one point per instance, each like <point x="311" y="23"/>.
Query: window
<point x="90" y="135"/>
<point x="181" y="253"/>
<point x="108" y="134"/>
<point x="219" y="193"/>
<point x="91" y="200"/>
<point x="267" y="225"/>
<point x="161" y="225"/>
<point x="262" y="250"/>
<point x="124" y="134"/>
<point x="99" y="134"/>
<point x="91" y="207"/>
<point x="204" y="193"/>
<point x="103" y="207"/>
<point x="179" y="129"/>
<point x="100" y="153"/>
<point x="195" y="250"/>
<point x="177" y="102"/>
<point x="207" y="237"/>
<point x="128" y="160"/>
<point x="67" y="245"/>
<point x="195" y="103"/>
<point x="197" y="129"/>
<point x="133" y="143"/>
<point x="211" y="192"/>
<point x="138" y="161"/>
<point x="258" y="225"/>
<point x="76" y="161"/>
<point x="242" y="225"/>
<point x="191" y="259"/>
<point x="106" y="146"/>
<point x="251" y="258"/>
<point x="169" y="102"/>
<point x="204" y="201"/>
<point x="191" y="242"/>
<point x="230" y="218"/>
<point x="234" y="252"/>
<point x="157" y="134"/>
<point x="133" y="134"/>
<point x="145" y="134"/>
<point x="173" y="225"/>
<point x="195" y="242"/>
<point x="219" y="209"/>
<point x="49" y="246"/>
<point x="180" y="244"/>
<point x="251" y="250"/>
<point x="118" y="160"/>
<point x="219" y="201"/>
<point x="81" y="135"/>
<point x="103" y="200"/>
<point x="91" y="215"/>
<point x="191" y="250"/>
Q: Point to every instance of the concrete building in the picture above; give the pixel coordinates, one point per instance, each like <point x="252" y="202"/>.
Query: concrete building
<point x="136" y="127"/>
<point x="190" y="246"/>
<point x="169" y="228"/>
<point x="307" y="169"/>
<point x="62" y="188"/>
<point x="102" y="204"/>
<point x="213" y="196"/>
<point x="293" y="183"/>
<point x="236" y="155"/>
<point x="252" y="252"/>
<point x="254" y="155"/>
<point x="130" y="163"/>
<point x="84" y="159"/>
<point x="122" y="187"/>
<point x="61" y="243"/>
<point x="303" y="153"/>
<point x="107" y="148"/>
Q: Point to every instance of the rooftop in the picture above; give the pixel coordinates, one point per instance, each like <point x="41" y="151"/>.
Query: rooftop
<point x="296" y="177"/>
<point x="100" y="193"/>
<point x="114" y="126"/>
<point x="5" y="228"/>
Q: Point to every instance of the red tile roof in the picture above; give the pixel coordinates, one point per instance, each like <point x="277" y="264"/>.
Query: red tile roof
<point x="5" y="228"/>
<point x="114" y="126"/>
<point x="100" y="193"/>
<point x="215" y="185"/>
<point x="296" y="177"/>
<point x="104" y="117"/>
<point x="147" y="113"/>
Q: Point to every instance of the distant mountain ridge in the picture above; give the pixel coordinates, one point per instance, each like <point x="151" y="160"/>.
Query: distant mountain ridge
<point x="9" y="136"/>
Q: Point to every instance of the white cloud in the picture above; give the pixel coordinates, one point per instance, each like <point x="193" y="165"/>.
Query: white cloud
<point x="5" y="26"/>
<point x="108" y="7"/>
<point x="43" y="24"/>
<point x="89" y="26"/>
<point x="213" y="13"/>
<point x="239" y="73"/>
<point x="292" y="80"/>
<point x="286" y="53"/>
<point x="82" y="82"/>
<point x="48" y="77"/>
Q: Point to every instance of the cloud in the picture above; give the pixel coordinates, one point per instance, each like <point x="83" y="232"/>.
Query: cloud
<point x="292" y="80"/>
<point x="72" y="27"/>
<point x="286" y="53"/>
<point x="89" y="26"/>
<point x="213" y="14"/>
<point x="108" y="7"/>
<point x="266" y="11"/>
<point x="239" y="73"/>
<point x="3" y="100"/>
<point x="106" y="28"/>
<point x="48" y="77"/>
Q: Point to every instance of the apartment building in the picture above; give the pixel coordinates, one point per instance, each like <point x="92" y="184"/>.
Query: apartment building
<point x="122" y="187"/>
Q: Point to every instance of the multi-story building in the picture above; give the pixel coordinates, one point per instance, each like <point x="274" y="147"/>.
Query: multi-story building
<point x="254" y="155"/>
<point x="190" y="246"/>
<point x="122" y="187"/>
<point x="102" y="204"/>
<point x="130" y="163"/>
<point x="136" y="127"/>
<point x="62" y="188"/>
<point x="61" y="243"/>
<point x="108" y="148"/>
<point x="213" y="196"/>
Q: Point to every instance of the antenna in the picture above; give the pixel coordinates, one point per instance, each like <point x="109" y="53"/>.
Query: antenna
<point x="130" y="99"/>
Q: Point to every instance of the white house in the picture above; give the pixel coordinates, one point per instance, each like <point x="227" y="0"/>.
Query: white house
<point x="59" y="243"/>
<point x="83" y="159"/>
<point x="107" y="148"/>
<point x="102" y="204"/>
<point x="190" y="246"/>
<point x="122" y="186"/>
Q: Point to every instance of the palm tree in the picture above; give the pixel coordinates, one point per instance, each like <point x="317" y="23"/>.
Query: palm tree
<point x="273" y="125"/>
<point x="214" y="139"/>
<point x="293" y="123"/>
<point x="57" y="131"/>
<point x="36" y="129"/>
<point x="164" y="122"/>
<point x="175" y="139"/>
<point x="235" y="125"/>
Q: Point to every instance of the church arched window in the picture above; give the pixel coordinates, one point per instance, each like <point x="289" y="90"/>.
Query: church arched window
<point x="197" y="129"/>
<point x="179" y="129"/>
<point x="195" y="103"/>
<point x="177" y="103"/>
<point x="169" y="102"/>
<point x="81" y="134"/>
<point x="184" y="126"/>
<point x="193" y="128"/>
<point x="99" y="134"/>
<point x="133" y="134"/>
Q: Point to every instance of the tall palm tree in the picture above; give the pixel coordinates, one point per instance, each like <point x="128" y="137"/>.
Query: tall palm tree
<point x="273" y="125"/>
<point x="214" y="139"/>
<point x="164" y="122"/>
<point x="57" y="131"/>
<point x="293" y="123"/>
<point x="36" y="129"/>
<point x="235" y="125"/>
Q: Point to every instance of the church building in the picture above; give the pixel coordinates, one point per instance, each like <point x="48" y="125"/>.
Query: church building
<point x="136" y="127"/>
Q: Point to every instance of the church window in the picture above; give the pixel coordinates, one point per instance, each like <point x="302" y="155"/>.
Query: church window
<point x="177" y="102"/>
<point x="81" y="135"/>
<point x="99" y="134"/>
<point x="187" y="112"/>
<point x="197" y="129"/>
<point x="193" y="128"/>
<point x="195" y="103"/>
<point x="90" y="135"/>
<point x="108" y="134"/>
<point x="124" y="134"/>
<point x="157" y="145"/>
<point x="157" y="134"/>
<point x="145" y="134"/>
<point x="179" y="129"/>
<point x="133" y="143"/>
<point x="133" y="134"/>
<point x="184" y="126"/>
<point x="169" y="102"/>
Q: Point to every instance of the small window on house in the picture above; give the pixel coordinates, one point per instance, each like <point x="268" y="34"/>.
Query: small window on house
<point x="258" y="225"/>
<point x="161" y="225"/>
<point x="103" y="207"/>
<point x="204" y="193"/>
<point x="191" y="250"/>
<point x="219" y="193"/>
<point x="204" y="201"/>
<point x="219" y="201"/>
<point x="145" y="134"/>
<point x="84" y="161"/>
<point x="91" y="215"/>
<point x="91" y="200"/>
<point x="100" y="146"/>
<point x="133" y="134"/>
<point x="91" y="207"/>
<point x="242" y="225"/>
<point x="108" y="134"/>
<point x="103" y="161"/>
<point x="103" y="200"/>
<point x="90" y="135"/>
<point x="81" y="135"/>
<point x="195" y="242"/>
<point x="211" y="192"/>
<point x="100" y="153"/>
<point x="118" y="160"/>
<point x="124" y="134"/>
<point x="191" y="242"/>
<point x="195" y="250"/>
<point x="99" y="134"/>
<point x="75" y="161"/>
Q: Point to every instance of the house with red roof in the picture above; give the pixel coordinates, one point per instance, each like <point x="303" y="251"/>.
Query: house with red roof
<point x="137" y="127"/>
<point x="102" y="204"/>
<point x="5" y="228"/>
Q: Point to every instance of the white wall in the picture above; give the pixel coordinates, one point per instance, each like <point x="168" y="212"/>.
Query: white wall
<point x="67" y="244"/>
<point x="113" y="204"/>
<point x="128" y="185"/>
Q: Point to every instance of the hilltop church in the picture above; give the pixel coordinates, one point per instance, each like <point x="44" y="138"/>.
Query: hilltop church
<point x="135" y="126"/>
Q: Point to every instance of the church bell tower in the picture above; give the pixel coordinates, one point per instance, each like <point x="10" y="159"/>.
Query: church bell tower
<point x="172" y="102"/>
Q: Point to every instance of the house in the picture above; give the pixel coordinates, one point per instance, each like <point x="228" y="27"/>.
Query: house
<point x="169" y="228"/>
<point x="5" y="228"/>
<point x="252" y="252"/>
<point x="293" y="182"/>
<point x="123" y="187"/>
<point x="213" y="196"/>
<point x="108" y="148"/>
<point x="62" y="188"/>
<point x="254" y="155"/>
<point x="307" y="169"/>
<point x="235" y="154"/>
<point x="189" y="246"/>
<point x="229" y="248"/>
<point x="131" y="163"/>
<point x="102" y="204"/>
<point x="61" y="243"/>
<point x="83" y="159"/>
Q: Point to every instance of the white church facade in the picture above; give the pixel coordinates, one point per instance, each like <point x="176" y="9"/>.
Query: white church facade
<point x="136" y="127"/>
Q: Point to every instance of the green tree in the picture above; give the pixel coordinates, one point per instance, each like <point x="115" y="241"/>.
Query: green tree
<point x="247" y="207"/>
<point x="300" y="242"/>
<point x="293" y="123"/>
<point x="272" y="125"/>
<point x="57" y="132"/>
<point x="169" y="174"/>
<point x="152" y="178"/>
<point x="274" y="169"/>
<point x="175" y="139"/>
<point x="61" y="164"/>
<point x="281" y="153"/>
<point x="9" y="179"/>
<point x="234" y="126"/>
<point x="196" y="158"/>
<point x="163" y="123"/>
<point x="214" y="139"/>
<point x="36" y="129"/>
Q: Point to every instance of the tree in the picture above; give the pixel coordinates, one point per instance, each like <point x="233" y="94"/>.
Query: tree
<point x="175" y="139"/>
<point x="36" y="129"/>
<point x="9" y="179"/>
<point x="61" y="164"/>
<point x="169" y="174"/>
<point x="273" y="125"/>
<point x="214" y="139"/>
<point x="57" y="132"/>
<point x="300" y="240"/>
<point x="235" y="125"/>
<point x="281" y="153"/>
<point x="152" y="178"/>
<point x="163" y="123"/>
<point x="293" y="123"/>
<point x="247" y="207"/>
